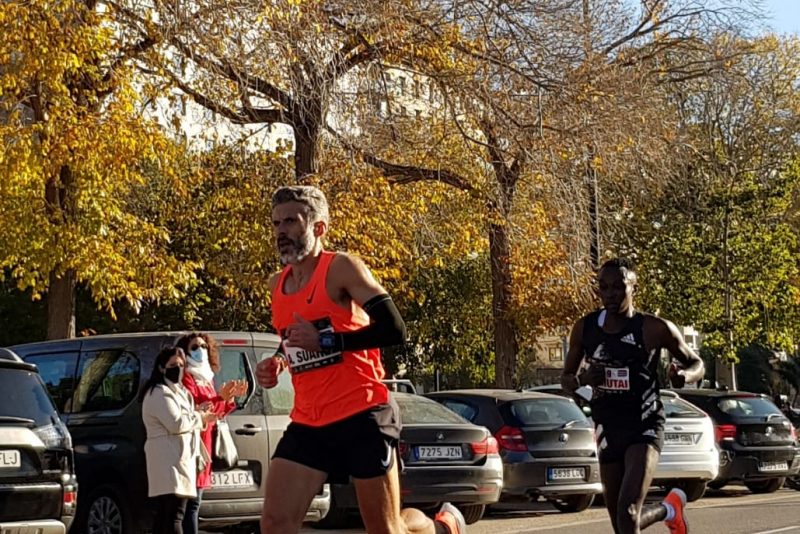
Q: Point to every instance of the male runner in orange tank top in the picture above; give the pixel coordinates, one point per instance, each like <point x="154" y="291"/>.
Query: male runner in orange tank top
<point x="334" y="318"/>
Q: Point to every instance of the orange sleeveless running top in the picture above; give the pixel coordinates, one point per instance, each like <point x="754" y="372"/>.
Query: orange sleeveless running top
<point x="329" y="386"/>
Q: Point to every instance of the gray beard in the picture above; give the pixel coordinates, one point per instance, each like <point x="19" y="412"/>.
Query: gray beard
<point x="302" y="248"/>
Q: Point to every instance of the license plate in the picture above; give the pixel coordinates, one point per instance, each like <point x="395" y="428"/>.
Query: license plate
<point x="439" y="453"/>
<point x="679" y="439"/>
<point x="767" y="467"/>
<point x="571" y="473"/>
<point x="10" y="459"/>
<point x="235" y="478"/>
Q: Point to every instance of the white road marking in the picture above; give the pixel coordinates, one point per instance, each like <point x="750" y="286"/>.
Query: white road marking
<point x="553" y="527"/>
<point x="697" y="505"/>
<point x="784" y="529"/>
<point x="739" y="502"/>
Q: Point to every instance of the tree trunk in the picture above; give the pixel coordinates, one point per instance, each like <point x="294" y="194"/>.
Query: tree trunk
<point x="726" y="373"/>
<point x="505" y="335"/>
<point x="61" y="291"/>
<point x="594" y="211"/>
<point x="306" y="150"/>
<point x="305" y="159"/>
<point x="61" y="306"/>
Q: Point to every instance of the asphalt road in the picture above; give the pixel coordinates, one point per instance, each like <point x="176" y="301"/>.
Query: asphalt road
<point x="733" y="510"/>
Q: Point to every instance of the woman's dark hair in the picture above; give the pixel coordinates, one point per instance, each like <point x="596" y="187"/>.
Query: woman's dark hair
<point x="157" y="376"/>
<point x="213" y="349"/>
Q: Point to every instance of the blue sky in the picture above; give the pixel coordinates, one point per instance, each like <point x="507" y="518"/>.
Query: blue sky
<point x="785" y="15"/>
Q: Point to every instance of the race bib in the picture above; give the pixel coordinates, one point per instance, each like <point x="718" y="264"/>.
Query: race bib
<point x="302" y="361"/>
<point x="617" y="379"/>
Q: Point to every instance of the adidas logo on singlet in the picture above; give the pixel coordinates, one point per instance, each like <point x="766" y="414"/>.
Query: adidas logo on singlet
<point x="629" y="339"/>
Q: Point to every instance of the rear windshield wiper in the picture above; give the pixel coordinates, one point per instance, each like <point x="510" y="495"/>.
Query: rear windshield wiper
<point x="7" y="419"/>
<point x="569" y="424"/>
<point x="770" y="416"/>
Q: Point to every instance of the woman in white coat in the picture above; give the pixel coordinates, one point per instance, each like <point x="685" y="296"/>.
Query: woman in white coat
<point x="173" y="448"/>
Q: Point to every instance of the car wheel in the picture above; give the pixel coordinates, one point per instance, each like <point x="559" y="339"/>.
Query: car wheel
<point x="472" y="512"/>
<point x="107" y="513"/>
<point x="793" y="483"/>
<point x="694" y="489"/>
<point x="765" y="486"/>
<point x="717" y="484"/>
<point x="573" y="503"/>
<point x="335" y="518"/>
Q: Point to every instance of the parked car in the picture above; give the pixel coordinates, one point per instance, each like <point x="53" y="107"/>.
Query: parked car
<point x="94" y="382"/>
<point x="546" y="442"/>
<point x="758" y="444"/>
<point x="38" y="488"/>
<point x="445" y="458"/>
<point x="689" y="459"/>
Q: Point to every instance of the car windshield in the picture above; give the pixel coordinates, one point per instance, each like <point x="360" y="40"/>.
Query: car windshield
<point x="544" y="412"/>
<point x="677" y="408"/>
<point x="747" y="407"/>
<point x="25" y="399"/>
<point x="416" y="410"/>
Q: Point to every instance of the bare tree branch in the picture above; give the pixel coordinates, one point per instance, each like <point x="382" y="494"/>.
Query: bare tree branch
<point x="405" y="174"/>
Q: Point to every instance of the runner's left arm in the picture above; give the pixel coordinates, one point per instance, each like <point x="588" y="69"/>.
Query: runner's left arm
<point x="386" y="327"/>
<point x="693" y="367"/>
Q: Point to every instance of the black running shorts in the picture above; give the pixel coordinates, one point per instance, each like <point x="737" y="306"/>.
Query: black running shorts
<point x="613" y="442"/>
<point x="362" y="446"/>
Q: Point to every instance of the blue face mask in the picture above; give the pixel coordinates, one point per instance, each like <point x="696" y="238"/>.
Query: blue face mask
<point x="199" y="355"/>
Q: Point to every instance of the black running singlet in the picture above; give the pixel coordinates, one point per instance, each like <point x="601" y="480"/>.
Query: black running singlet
<point x="630" y="395"/>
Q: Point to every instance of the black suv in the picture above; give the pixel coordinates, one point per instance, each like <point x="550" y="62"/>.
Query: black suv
<point x="758" y="445"/>
<point x="38" y="490"/>
<point x="94" y="382"/>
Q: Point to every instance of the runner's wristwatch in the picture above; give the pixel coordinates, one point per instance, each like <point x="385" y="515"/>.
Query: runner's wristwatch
<point x="330" y="340"/>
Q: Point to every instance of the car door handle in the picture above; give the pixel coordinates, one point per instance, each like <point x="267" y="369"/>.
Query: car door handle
<point x="248" y="430"/>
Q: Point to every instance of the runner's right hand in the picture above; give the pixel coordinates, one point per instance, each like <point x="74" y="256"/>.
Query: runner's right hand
<point x="594" y="376"/>
<point x="267" y="371"/>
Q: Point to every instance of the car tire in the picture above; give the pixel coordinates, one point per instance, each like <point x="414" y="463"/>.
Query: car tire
<point x="335" y="518"/>
<point x="472" y="512"/>
<point x="770" y="485"/>
<point x="717" y="484"/>
<point x="573" y="503"/>
<point x="793" y="483"/>
<point x="694" y="489"/>
<point x="106" y="512"/>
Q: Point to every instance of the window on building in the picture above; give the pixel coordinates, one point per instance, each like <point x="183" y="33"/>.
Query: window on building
<point x="556" y="354"/>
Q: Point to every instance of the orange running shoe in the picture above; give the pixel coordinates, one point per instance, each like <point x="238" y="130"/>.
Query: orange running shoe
<point x="677" y="500"/>
<point x="451" y="517"/>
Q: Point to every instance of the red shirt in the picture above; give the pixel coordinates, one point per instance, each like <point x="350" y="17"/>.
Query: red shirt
<point x="329" y="386"/>
<point x="203" y="393"/>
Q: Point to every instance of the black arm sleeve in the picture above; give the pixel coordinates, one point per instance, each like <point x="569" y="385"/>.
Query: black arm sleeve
<point x="386" y="329"/>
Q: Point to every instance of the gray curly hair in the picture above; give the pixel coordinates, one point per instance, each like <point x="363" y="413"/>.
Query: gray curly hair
<point x="311" y="197"/>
